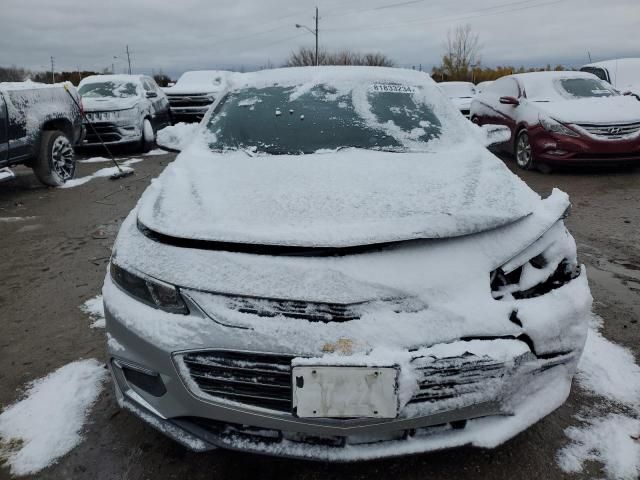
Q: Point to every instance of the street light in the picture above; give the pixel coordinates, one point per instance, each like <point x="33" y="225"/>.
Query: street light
<point x="313" y="32"/>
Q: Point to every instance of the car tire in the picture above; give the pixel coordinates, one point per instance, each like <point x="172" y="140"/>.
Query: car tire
<point x="475" y="120"/>
<point x="523" y="151"/>
<point x="55" y="163"/>
<point x="148" y="139"/>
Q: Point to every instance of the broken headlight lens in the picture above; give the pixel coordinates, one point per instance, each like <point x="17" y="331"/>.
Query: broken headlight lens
<point x="549" y="263"/>
<point x="152" y="292"/>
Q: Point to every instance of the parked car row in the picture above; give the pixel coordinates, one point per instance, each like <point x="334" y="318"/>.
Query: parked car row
<point x="555" y="118"/>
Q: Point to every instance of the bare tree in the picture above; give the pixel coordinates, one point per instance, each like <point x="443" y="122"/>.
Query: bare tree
<point x="462" y="52"/>
<point x="307" y="57"/>
<point x="13" y="74"/>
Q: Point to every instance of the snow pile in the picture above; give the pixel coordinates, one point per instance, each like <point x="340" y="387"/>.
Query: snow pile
<point x="95" y="309"/>
<point x="176" y="137"/>
<point x="609" y="371"/>
<point x="613" y="440"/>
<point x="103" y="172"/>
<point x="47" y="423"/>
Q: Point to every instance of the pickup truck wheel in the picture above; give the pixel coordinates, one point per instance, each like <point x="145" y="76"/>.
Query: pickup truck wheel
<point x="148" y="135"/>
<point x="56" y="162"/>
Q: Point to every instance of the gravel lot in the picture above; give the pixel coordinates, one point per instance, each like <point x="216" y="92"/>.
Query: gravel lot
<point x="54" y="259"/>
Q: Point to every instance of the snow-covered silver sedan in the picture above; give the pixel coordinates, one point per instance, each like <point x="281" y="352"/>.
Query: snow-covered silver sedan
<point x="337" y="268"/>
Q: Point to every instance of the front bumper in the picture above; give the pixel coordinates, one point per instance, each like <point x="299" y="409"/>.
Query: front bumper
<point x="531" y="389"/>
<point x="560" y="150"/>
<point x="111" y="133"/>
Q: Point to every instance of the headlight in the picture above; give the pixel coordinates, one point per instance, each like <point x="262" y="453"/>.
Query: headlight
<point x="551" y="125"/>
<point x="152" y="292"/>
<point x="549" y="263"/>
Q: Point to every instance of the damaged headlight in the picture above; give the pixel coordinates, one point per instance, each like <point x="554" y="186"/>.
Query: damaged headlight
<point x="547" y="264"/>
<point x="152" y="292"/>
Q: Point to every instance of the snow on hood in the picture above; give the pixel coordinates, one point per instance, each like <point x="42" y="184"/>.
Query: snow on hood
<point x="204" y="81"/>
<point x="102" y="104"/>
<point x="616" y="109"/>
<point x="336" y="199"/>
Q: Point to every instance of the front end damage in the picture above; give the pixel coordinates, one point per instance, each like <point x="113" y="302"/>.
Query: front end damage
<point x="484" y="332"/>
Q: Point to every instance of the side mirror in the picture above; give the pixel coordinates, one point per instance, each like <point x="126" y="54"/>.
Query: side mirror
<point x="152" y="94"/>
<point x="495" y="134"/>
<point x="509" y="101"/>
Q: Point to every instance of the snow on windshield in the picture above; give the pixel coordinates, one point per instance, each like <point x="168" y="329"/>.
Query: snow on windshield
<point x="557" y="86"/>
<point x="109" y="88"/>
<point x="311" y="116"/>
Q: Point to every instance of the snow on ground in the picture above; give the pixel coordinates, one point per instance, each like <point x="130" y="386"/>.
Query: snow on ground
<point x="609" y="432"/>
<point x="95" y="309"/>
<point x="103" y="172"/>
<point x="15" y="219"/>
<point x="157" y="151"/>
<point x="612" y="440"/>
<point x="95" y="160"/>
<point x="609" y="370"/>
<point x="176" y="137"/>
<point x="47" y="423"/>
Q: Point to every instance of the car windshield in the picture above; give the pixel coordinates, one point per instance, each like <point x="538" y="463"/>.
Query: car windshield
<point x="458" y="90"/>
<point x="305" y="119"/>
<point x="109" y="88"/>
<point x="585" y="87"/>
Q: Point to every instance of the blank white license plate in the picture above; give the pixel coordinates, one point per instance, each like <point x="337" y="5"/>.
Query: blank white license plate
<point x="345" y="392"/>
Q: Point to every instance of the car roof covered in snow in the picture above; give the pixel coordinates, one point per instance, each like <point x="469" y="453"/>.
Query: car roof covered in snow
<point x="329" y="75"/>
<point x="120" y="78"/>
<point x="623" y="72"/>
<point x="29" y="85"/>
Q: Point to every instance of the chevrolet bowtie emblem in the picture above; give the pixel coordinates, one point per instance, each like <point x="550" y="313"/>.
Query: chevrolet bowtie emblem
<point x="343" y="346"/>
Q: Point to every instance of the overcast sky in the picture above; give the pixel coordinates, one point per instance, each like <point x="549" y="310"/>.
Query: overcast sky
<point x="193" y="34"/>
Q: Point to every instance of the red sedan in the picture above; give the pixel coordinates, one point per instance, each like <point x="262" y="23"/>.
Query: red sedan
<point x="562" y="118"/>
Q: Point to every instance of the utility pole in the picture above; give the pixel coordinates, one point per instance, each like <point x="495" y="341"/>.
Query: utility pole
<point x="129" y="59"/>
<point x="315" y="34"/>
<point x="113" y="68"/>
<point x="589" y="54"/>
<point x="317" y="37"/>
<point x="53" y="75"/>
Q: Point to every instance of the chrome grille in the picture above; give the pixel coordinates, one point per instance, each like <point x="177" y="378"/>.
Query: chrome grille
<point x="446" y="378"/>
<point x="192" y="100"/>
<point x="611" y="131"/>
<point x="311" y="311"/>
<point x="257" y="379"/>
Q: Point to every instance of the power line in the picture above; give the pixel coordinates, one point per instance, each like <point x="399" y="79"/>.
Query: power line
<point x="469" y="15"/>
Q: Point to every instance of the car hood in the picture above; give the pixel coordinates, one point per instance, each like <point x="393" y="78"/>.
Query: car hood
<point x="192" y="88"/>
<point x="462" y="103"/>
<point x="102" y="104"/>
<point x="618" y="109"/>
<point x="340" y="199"/>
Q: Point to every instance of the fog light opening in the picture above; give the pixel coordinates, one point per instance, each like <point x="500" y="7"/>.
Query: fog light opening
<point x="142" y="378"/>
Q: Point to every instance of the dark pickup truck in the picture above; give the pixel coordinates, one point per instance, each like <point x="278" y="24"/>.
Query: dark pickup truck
<point x="39" y="125"/>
